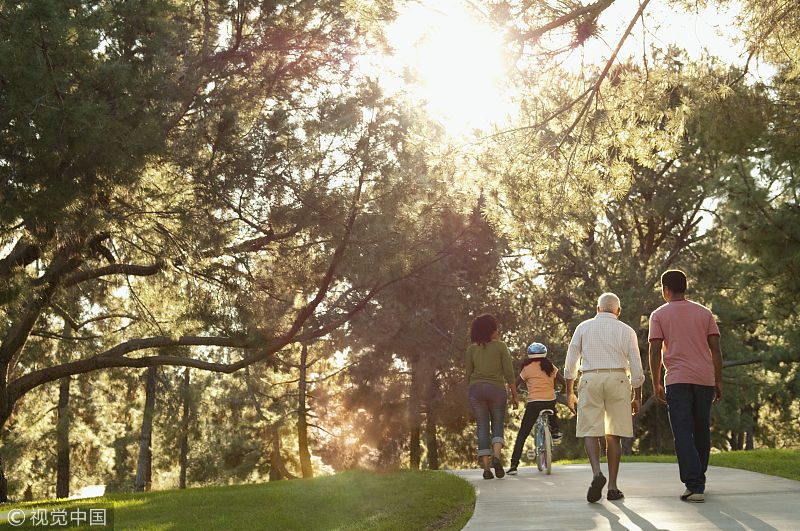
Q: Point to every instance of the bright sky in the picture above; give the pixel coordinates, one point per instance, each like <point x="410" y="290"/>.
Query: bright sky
<point x="696" y="31"/>
<point x="460" y="62"/>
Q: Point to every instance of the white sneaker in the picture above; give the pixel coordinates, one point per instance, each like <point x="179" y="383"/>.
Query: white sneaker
<point x="694" y="497"/>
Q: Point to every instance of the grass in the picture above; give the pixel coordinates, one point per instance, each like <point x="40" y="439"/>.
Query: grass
<point x="783" y="463"/>
<point x="352" y="500"/>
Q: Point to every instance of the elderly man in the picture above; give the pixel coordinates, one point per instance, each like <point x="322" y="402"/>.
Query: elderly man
<point x="607" y="351"/>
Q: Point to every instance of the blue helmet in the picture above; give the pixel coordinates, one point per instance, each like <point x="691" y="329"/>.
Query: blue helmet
<point x="537" y="350"/>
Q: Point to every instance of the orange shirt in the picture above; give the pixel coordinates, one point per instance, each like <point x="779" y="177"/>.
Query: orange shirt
<point x="540" y="386"/>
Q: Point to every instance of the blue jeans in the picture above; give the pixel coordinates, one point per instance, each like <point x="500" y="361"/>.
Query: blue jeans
<point x="489" y="405"/>
<point x="690" y="417"/>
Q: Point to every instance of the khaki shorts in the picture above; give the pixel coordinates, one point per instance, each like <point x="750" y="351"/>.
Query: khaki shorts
<point x="604" y="405"/>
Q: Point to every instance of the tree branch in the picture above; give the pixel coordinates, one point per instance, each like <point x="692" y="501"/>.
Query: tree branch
<point x="746" y="361"/>
<point x="338" y="254"/>
<point x="592" y="9"/>
<point x="21" y="255"/>
<point x="253" y="245"/>
<point x="115" y="269"/>
<point x="115" y="357"/>
<point x="62" y="264"/>
<point x="604" y="73"/>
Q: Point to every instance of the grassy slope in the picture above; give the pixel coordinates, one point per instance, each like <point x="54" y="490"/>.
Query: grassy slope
<point x="351" y="500"/>
<point x="783" y="463"/>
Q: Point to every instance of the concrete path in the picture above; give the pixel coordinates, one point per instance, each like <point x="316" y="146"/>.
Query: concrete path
<point x="735" y="499"/>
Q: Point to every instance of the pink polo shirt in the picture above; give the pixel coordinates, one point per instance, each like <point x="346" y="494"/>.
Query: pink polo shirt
<point x="685" y="326"/>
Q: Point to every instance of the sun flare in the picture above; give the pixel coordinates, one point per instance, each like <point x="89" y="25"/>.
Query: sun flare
<point x="447" y="59"/>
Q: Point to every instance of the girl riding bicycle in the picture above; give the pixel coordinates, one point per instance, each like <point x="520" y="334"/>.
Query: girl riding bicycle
<point x="538" y="373"/>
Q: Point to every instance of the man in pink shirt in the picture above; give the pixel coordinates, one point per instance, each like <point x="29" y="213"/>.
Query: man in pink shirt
<point x="684" y="335"/>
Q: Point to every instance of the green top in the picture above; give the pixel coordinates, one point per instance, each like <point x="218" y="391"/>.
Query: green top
<point x="489" y="363"/>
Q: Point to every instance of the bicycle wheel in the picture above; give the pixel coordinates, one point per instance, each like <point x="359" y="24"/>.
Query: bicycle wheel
<point x="547" y="448"/>
<point x="537" y="443"/>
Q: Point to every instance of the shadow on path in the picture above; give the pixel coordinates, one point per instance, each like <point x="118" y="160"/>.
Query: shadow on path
<point x="735" y="499"/>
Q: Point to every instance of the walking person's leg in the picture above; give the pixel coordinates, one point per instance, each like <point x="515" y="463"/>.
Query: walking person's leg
<point x="703" y="397"/>
<point x="613" y="453"/>
<point x="591" y="426"/>
<point x="497" y="411"/>
<point x="480" y="407"/>
<point x="618" y="424"/>
<point x="680" y="404"/>
<point x="528" y="420"/>
<point x="592" y="447"/>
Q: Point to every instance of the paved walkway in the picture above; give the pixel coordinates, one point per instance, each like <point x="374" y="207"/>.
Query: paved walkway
<point x="735" y="499"/>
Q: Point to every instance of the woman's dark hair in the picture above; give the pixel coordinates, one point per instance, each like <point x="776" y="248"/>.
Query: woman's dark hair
<point x="675" y="280"/>
<point x="547" y="365"/>
<point x="483" y="327"/>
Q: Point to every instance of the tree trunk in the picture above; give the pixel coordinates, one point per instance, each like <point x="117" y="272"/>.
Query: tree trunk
<point x="62" y="440"/>
<point x="414" y="420"/>
<point x="3" y="483"/>
<point x="627" y="445"/>
<point x="431" y="396"/>
<point x="185" y="390"/>
<point x="144" y="463"/>
<point x="736" y="440"/>
<point x="121" y="468"/>
<point x="275" y="459"/>
<point x="430" y="441"/>
<point x="415" y="450"/>
<point x="302" y="423"/>
<point x="748" y="433"/>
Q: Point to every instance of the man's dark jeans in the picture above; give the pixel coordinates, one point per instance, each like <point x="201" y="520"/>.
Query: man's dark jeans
<point x="690" y="417"/>
<point x="489" y="405"/>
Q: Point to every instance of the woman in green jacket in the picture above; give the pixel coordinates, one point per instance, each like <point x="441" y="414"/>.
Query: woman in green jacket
<point x="489" y="368"/>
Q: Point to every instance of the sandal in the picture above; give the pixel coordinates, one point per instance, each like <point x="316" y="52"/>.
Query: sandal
<point x="614" y="494"/>
<point x="596" y="488"/>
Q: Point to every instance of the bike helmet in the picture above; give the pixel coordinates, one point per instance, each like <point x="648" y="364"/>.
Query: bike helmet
<point x="537" y="350"/>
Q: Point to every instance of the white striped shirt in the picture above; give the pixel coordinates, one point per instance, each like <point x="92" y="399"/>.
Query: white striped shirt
<point x="604" y="342"/>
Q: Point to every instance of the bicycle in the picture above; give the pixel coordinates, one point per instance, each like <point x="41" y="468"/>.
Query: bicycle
<point x="542" y="442"/>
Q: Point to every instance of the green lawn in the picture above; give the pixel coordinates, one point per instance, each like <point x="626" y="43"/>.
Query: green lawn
<point x="783" y="463"/>
<point x="403" y="499"/>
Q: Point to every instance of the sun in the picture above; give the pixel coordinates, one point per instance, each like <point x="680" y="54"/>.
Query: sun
<point x="446" y="58"/>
